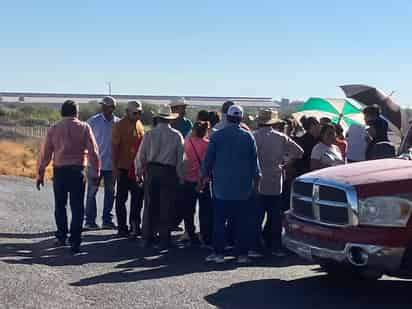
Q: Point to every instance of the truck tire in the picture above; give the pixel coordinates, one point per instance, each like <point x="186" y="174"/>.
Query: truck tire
<point x="337" y="271"/>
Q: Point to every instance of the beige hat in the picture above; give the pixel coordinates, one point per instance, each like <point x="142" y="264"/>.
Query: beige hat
<point x="108" y="101"/>
<point x="134" y="106"/>
<point x="165" y="112"/>
<point x="268" y="117"/>
<point x="178" y="102"/>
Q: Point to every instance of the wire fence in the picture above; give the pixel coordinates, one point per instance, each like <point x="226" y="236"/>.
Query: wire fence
<point x="25" y="131"/>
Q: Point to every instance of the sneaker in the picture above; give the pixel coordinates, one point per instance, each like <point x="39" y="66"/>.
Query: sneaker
<point x="279" y="253"/>
<point x="75" y="248"/>
<point x="60" y="243"/>
<point x="122" y="233"/>
<point x="109" y="226"/>
<point x="135" y="233"/>
<point x="90" y="227"/>
<point x="244" y="259"/>
<point x="184" y="237"/>
<point x="215" y="258"/>
<point x="176" y="229"/>
<point x="255" y="254"/>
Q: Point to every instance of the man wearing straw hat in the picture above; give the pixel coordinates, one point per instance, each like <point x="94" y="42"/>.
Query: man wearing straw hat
<point x="184" y="126"/>
<point x="273" y="148"/>
<point x="160" y="159"/>
<point x="181" y="123"/>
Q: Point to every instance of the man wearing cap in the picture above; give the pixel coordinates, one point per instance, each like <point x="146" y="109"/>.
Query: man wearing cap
<point x="273" y="148"/>
<point x="181" y="123"/>
<point x="160" y="158"/>
<point x="102" y="125"/>
<point x="223" y="121"/>
<point x="127" y="135"/>
<point x="231" y="159"/>
<point x="70" y="143"/>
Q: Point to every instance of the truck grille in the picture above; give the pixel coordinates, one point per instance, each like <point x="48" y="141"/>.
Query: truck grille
<point x="320" y="203"/>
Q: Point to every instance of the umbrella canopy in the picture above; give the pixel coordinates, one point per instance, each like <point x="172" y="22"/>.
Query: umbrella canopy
<point x="342" y="111"/>
<point x="368" y="95"/>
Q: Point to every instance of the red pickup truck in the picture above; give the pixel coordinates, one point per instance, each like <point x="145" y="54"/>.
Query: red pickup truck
<point x="355" y="219"/>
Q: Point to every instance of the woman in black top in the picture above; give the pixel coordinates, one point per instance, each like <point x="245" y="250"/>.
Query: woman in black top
<point x="307" y="142"/>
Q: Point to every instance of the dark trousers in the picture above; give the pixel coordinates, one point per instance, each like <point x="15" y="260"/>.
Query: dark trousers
<point x="240" y="212"/>
<point x="124" y="186"/>
<point x="269" y="205"/>
<point x="191" y="196"/>
<point x="91" y="206"/>
<point x="160" y="195"/>
<point x="177" y="210"/>
<point x="69" y="184"/>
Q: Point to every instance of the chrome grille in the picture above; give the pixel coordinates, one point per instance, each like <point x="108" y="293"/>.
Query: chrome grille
<point x="324" y="203"/>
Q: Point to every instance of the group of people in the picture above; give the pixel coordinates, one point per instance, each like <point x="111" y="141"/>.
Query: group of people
<point x="240" y="178"/>
<point x="326" y="145"/>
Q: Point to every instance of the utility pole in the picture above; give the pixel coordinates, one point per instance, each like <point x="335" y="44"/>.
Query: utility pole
<point x="109" y="86"/>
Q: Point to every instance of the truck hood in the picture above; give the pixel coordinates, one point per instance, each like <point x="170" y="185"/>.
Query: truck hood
<point x="368" y="172"/>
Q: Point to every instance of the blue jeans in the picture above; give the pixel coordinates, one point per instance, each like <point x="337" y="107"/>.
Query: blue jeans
<point x="69" y="181"/>
<point x="271" y="206"/>
<point x="240" y="212"/>
<point x="91" y="207"/>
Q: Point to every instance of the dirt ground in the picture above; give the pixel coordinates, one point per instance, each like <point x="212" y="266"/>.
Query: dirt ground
<point x="18" y="157"/>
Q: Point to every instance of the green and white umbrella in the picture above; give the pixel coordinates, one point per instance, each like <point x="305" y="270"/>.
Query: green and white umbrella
<point x="342" y="111"/>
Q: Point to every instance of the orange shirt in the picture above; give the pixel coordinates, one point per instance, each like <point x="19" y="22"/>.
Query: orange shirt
<point x="125" y="135"/>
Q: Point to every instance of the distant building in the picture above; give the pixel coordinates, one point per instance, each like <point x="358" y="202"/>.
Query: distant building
<point x="288" y="106"/>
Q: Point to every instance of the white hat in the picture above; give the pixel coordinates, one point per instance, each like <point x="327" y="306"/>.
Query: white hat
<point x="108" y="101"/>
<point x="134" y="106"/>
<point x="178" y="102"/>
<point x="165" y="112"/>
<point x="235" y="111"/>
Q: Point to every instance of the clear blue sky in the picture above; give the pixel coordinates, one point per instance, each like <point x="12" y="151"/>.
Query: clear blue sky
<point x="274" y="48"/>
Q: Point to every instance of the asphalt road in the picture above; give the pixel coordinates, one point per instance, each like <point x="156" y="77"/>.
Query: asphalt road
<point x="117" y="273"/>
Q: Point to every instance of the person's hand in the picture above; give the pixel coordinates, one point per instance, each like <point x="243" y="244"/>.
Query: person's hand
<point x="39" y="184"/>
<point x="201" y="184"/>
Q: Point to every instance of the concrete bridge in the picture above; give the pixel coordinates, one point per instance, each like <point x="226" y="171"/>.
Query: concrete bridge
<point x="58" y="98"/>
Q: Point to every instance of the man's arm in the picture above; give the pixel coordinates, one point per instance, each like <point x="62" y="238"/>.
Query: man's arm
<point x="92" y="154"/>
<point x="255" y="165"/>
<point x="45" y="157"/>
<point x="293" y="150"/>
<point x="116" y="138"/>
<point x="207" y="164"/>
<point x="141" y="157"/>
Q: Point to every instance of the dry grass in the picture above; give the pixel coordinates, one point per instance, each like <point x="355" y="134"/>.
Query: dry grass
<point x="19" y="157"/>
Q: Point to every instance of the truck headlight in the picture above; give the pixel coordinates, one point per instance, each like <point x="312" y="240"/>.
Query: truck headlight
<point x="385" y="211"/>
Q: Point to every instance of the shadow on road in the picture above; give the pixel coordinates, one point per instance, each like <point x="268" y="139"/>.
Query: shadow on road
<point x="26" y="235"/>
<point x="314" y="292"/>
<point x="132" y="262"/>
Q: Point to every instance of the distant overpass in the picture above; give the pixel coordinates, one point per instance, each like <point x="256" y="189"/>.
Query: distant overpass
<point x="58" y="98"/>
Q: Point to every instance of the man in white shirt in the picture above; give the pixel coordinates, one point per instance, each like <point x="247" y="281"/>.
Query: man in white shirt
<point x="357" y="143"/>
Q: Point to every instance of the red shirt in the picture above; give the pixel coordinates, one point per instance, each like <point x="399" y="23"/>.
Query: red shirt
<point x="69" y="142"/>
